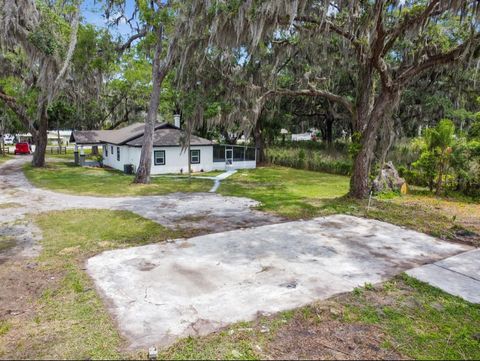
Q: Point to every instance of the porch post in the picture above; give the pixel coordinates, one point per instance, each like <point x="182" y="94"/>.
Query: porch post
<point x="75" y="155"/>
<point x="82" y="156"/>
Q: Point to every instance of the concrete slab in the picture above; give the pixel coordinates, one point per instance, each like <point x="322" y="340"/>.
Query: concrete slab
<point x="458" y="275"/>
<point x="466" y="263"/>
<point x="161" y="292"/>
<point x="448" y="281"/>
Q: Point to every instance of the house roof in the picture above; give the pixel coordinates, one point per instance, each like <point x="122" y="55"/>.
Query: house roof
<point x="165" y="134"/>
<point x="87" y="136"/>
<point x="169" y="136"/>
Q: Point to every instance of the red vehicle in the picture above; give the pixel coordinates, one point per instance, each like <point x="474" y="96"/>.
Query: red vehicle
<point x="23" y="148"/>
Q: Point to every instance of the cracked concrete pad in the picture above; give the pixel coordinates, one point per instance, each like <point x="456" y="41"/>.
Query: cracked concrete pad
<point x="161" y="292"/>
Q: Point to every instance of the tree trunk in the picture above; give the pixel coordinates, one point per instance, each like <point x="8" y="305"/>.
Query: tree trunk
<point x="440" y="176"/>
<point x="158" y="74"/>
<point x="329" y="128"/>
<point x="384" y="104"/>
<point x="2" y="135"/>
<point x="259" y="142"/>
<point x="40" y="137"/>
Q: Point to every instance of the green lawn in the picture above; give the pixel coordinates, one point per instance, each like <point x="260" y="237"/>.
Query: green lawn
<point x="295" y="194"/>
<point x="67" y="178"/>
<point x="69" y="155"/>
<point x="289" y="192"/>
<point x="69" y="319"/>
<point x="400" y="318"/>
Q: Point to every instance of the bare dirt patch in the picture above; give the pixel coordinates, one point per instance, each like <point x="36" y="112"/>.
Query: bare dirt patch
<point x="23" y="282"/>
<point x="326" y="339"/>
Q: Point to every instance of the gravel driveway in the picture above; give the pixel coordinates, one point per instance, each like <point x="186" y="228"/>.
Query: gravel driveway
<point x="206" y="211"/>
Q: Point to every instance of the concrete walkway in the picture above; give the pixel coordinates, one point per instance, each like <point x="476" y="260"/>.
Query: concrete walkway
<point x="220" y="178"/>
<point x="458" y="275"/>
<point x="161" y="292"/>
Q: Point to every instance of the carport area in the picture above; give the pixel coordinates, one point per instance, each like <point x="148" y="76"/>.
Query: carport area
<point x="161" y="292"/>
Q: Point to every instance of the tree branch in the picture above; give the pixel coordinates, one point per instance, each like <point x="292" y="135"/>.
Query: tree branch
<point x="409" y="21"/>
<point x="437" y="59"/>
<point x="18" y="109"/>
<point x="316" y="93"/>
<point x="71" y="49"/>
<point x="128" y="43"/>
<point x="327" y="24"/>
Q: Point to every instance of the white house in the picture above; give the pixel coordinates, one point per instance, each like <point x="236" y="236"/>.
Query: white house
<point x="64" y="135"/>
<point x="122" y="148"/>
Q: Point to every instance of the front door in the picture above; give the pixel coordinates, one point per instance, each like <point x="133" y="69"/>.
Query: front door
<point x="228" y="156"/>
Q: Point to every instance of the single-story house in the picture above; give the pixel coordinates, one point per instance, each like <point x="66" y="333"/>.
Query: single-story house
<point x="64" y="135"/>
<point x="122" y="148"/>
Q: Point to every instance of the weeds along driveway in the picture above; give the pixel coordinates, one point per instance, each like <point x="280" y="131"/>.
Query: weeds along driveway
<point x="202" y="211"/>
<point x="161" y="292"/>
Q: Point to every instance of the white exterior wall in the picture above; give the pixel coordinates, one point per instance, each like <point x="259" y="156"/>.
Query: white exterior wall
<point x="247" y="164"/>
<point x="175" y="159"/>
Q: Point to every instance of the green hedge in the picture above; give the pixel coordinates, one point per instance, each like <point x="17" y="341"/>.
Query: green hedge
<point x="316" y="160"/>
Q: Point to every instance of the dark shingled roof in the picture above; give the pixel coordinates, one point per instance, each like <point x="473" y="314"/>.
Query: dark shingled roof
<point x="166" y="134"/>
<point x="87" y="136"/>
<point x="169" y="137"/>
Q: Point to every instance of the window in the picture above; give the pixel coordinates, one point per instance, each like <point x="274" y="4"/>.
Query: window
<point x="111" y="149"/>
<point x="159" y="157"/>
<point x="250" y="154"/>
<point x="195" y="156"/>
<point x="238" y="154"/>
<point x="105" y="149"/>
<point x="118" y="154"/>
<point x="219" y="153"/>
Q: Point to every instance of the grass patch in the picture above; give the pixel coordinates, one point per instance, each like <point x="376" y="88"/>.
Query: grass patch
<point x="70" y="320"/>
<point x="10" y="205"/>
<point x="68" y="178"/>
<point x="212" y="173"/>
<point x="4" y="158"/>
<point x="285" y="191"/>
<point x="4" y="327"/>
<point x="399" y="318"/>
<point x="69" y="155"/>
<point x="421" y="321"/>
<point x="6" y="243"/>
<point x="298" y="194"/>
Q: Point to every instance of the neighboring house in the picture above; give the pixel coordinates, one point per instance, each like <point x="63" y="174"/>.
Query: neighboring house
<point x="8" y="139"/>
<point x="64" y="136"/>
<point x="24" y="138"/>
<point x="122" y="147"/>
<point x="309" y="135"/>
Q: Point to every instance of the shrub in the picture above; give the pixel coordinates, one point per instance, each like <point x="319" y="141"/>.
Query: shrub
<point x="329" y="161"/>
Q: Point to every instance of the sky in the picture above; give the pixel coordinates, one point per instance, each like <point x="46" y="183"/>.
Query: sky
<point x="93" y="13"/>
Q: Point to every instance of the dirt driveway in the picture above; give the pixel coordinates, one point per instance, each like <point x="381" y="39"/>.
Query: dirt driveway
<point x="207" y="212"/>
<point x="161" y="292"/>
